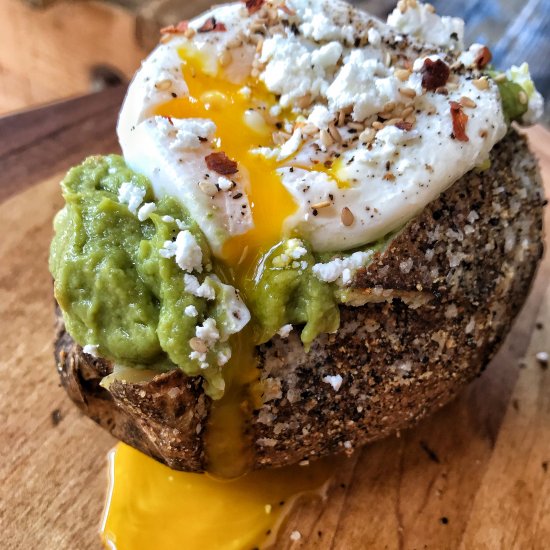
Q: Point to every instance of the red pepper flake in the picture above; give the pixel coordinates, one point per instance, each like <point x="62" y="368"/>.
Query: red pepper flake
<point x="181" y="27"/>
<point x="434" y="74"/>
<point x="170" y="120"/>
<point x="405" y="126"/>
<point x="483" y="57"/>
<point x="212" y="25"/>
<point x="460" y="119"/>
<point x="221" y="163"/>
<point x="253" y="5"/>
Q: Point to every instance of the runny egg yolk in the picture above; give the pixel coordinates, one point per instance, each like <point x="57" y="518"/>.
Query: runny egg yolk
<point x="151" y="507"/>
<point x="243" y="123"/>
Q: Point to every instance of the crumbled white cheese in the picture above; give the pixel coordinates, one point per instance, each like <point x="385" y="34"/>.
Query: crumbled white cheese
<point x="374" y="37"/>
<point x="225" y="184"/>
<point x="146" y="210"/>
<point x="204" y="290"/>
<point x="186" y="250"/>
<point x="319" y="26"/>
<point x="334" y="270"/>
<point x="468" y="57"/>
<point x="186" y="133"/>
<point x="91" y="349"/>
<point x="334" y="381"/>
<point x="425" y="25"/>
<point x="364" y="83"/>
<point x="284" y="331"/>
<point x="294" y="250"/>
<point x="191" y="311"/>
<point x="208" y="332"/>
<point x="224" y="357"/>
<point x="293" y="71"/>
<point x="295" y="536"/>
<point x="167" y="219"/>
<point x="131" y="195"/>
<point x="321" y="117"/>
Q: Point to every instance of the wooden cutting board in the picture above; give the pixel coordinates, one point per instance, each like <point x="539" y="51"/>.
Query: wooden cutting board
<point x="474" y="476"/>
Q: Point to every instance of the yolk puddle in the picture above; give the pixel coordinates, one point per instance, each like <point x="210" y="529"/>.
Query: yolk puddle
<point x="243" y="123"/>
<point x="151" y="507"/>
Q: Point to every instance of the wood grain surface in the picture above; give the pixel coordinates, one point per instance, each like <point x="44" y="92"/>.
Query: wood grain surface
<point x="474" y="476"/>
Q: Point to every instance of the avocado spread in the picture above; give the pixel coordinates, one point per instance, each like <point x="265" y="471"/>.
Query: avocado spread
<point x="116" y="289"/>
<point x="119" y="291"/>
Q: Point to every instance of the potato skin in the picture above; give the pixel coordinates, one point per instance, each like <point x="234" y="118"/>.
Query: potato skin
<point x="440" y="300"/>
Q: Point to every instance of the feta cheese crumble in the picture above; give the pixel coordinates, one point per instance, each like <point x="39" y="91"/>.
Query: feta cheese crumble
<point x="191" y="311"/>
<point x="284" y="331"/>
<point x="146" y="210"/>
<point x="342" y="269"/>
<point x="131" y="195"/>
<point x="334" y="381"/>
<point x="91" y="349"/>
<point x="208" y="332"/>
<point x="185" y="250"/>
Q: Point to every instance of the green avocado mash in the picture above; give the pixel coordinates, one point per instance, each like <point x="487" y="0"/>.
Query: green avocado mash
<point x="119" y="290"/>
<point x="510" y="93"/>
<point x="287" y="292"/>
<point x="115" y="289"/>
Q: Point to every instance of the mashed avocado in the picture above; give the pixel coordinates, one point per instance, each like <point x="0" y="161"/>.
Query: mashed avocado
<point x="115" y="288"/>
<point x="285" y="291"/>
<point x="510" y="93"/>
<point x="121" y="291"/>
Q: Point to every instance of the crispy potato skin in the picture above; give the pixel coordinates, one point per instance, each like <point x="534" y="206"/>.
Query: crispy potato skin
<point x="438" y="302"/>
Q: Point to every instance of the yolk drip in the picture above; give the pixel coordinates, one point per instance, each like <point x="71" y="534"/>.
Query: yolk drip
<point x="151" y="507"/>
<point x="243" y="123"/>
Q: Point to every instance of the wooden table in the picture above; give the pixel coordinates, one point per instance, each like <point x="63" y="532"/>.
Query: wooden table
<point x="474" y="476"/>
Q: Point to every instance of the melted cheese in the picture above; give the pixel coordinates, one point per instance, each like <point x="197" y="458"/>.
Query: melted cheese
<point x="151" y="507"/>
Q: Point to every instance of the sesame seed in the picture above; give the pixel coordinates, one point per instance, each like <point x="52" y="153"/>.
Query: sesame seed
<point x="407" y="111"/>
<point x="341" y="118"/>
<point x="189" y="33"/>
<point x="208" y="187"/>
<point x="389" y="107"/>
<point x="481" y="83"/>
<point x="319" y="205"/>
<point x="347" y="216"/>
<point x="326" y="138"/>
<point x="467" y="102"/>
<point x="377" y="125"/>
<point x="407" y="92"/>
<point x="334" y="133"/>
<point x="163" y="85"/>
<point x="500" y="77"/>
<point x="402" y="74"/>
<point x="198" y="345"/>
<point x="367" y="135"/>
<point x="305" y="101"/>
<point x="356" y="126"/>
